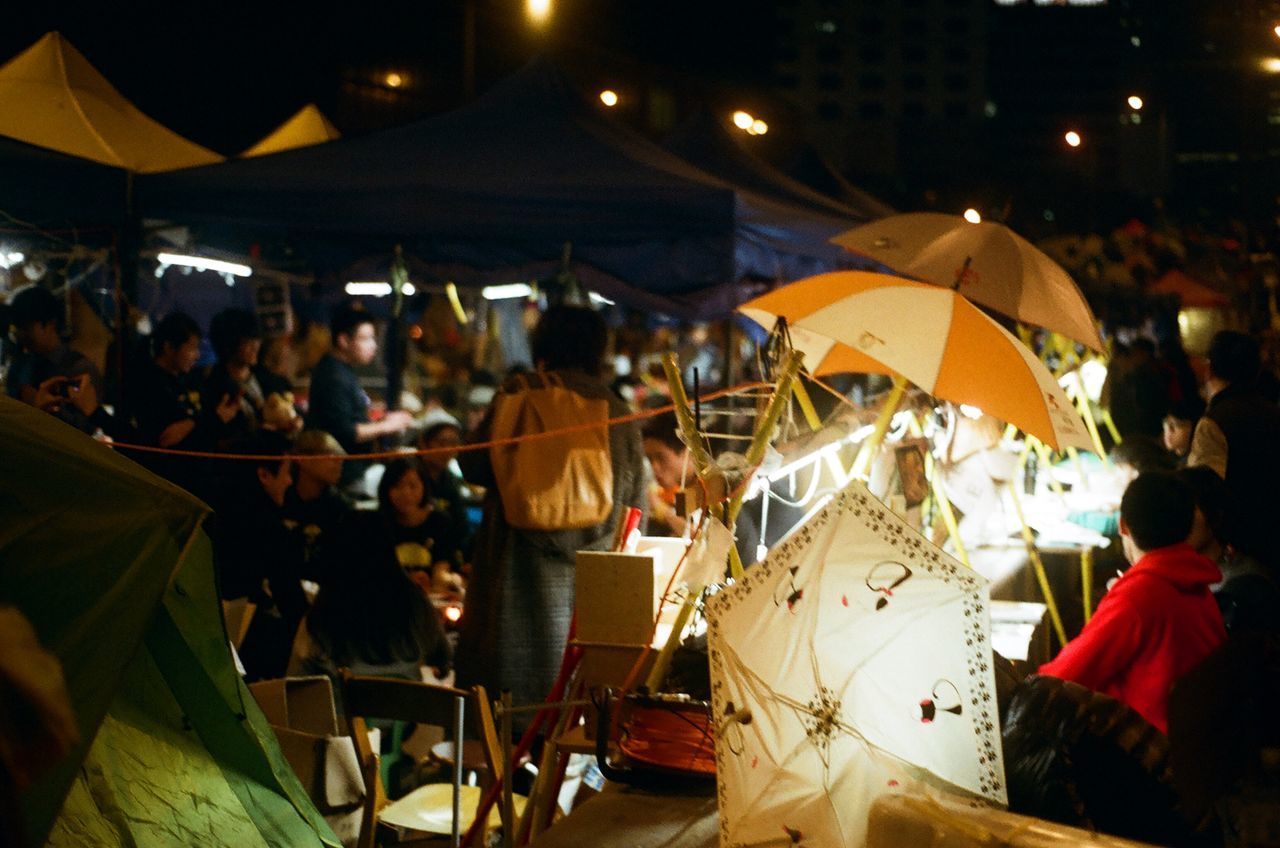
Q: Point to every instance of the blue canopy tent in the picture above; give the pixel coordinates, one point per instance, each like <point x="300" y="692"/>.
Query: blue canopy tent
<point x="494" y="190"/>
<point x="54" y="191"/>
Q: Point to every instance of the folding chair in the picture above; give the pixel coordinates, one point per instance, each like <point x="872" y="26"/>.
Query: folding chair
<point x="401" y="700"/>
<point x="423" y="703"/>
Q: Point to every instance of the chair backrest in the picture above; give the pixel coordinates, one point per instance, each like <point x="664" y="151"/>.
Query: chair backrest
<point x="401" y="700"/>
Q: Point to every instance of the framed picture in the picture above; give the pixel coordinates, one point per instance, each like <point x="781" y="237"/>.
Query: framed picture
<point x="909" y="457"/>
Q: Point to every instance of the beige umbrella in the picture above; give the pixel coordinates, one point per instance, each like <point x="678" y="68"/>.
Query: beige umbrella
<point x="987" y="263"/>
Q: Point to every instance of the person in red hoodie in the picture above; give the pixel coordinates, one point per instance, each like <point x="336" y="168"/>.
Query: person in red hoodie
<point x="1159" y="620"/>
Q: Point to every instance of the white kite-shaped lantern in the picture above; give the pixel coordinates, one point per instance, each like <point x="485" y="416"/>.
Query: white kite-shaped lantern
<point x="855" y="660"/>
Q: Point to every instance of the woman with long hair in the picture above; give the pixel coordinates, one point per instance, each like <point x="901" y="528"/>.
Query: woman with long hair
<point x="369" y="617"/>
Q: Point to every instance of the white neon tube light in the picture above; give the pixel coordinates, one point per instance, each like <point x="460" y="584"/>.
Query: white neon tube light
<point x="375" y="288"/>
<point x="202" y="263"/>
<point x="506" y="291"/>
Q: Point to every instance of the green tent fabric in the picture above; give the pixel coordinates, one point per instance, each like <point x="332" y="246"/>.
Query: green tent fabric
<point x="110" y="565"/>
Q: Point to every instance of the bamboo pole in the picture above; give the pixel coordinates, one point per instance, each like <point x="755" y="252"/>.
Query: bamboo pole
<point x="866" y="453"/>
<point x="787" y="380"/>
<point x="755" y="453"/>
<point x="1037" y="565"/>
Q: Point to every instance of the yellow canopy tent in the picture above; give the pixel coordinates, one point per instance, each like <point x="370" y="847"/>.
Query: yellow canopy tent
<point x="50" y="96"/>
<point x="307" y="127"/>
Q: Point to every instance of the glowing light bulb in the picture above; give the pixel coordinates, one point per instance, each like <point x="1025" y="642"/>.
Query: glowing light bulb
<point x="972" y="216"/>
<point x="743" y="120"/>
<point x="538" y="10"/>
<point x="393" y="80"/>
<point x="1135" y="102"/>
<point x="1072" y="138"/>
<point x="609" y="97"/>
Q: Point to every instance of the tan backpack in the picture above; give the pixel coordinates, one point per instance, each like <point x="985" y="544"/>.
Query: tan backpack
<point x="560" y="482"/>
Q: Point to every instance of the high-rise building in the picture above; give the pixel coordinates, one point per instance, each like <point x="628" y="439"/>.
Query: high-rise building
<point x="865" y="74"/>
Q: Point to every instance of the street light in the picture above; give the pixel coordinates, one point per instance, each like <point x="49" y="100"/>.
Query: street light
<point x="1276" y="30"/>
<point x="743" y="120"/>
<point x="1135" y="102"/>
<point x="1072" y="138"/>
<point x="393" y="80"/>
<point x="973" y="216"/>
<point x="538" y="11"/>
<point x="609" y="97"/>
<point x="758" y="127"/>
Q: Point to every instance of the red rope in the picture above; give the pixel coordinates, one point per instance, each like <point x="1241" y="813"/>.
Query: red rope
<point x="591" y="425"/>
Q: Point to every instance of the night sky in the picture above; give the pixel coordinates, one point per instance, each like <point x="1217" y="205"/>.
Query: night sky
<point x="225" y="74"/>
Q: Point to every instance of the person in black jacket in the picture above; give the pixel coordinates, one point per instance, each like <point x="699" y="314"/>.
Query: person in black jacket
<point x="337" y="404"/>
<point x="1239" y="437"/>
<point x="256" y="559"/>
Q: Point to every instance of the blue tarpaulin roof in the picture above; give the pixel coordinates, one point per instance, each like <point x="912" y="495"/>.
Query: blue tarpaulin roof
<point x="53" y="190"/>
<point x="499" y="186"/>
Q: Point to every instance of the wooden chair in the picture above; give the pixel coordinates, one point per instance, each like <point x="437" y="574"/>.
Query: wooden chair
<point x="421" y="703"/>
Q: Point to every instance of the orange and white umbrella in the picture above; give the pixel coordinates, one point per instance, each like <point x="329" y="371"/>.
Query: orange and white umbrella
<point x="859" y="321"/>
<point x="987" y="262"/>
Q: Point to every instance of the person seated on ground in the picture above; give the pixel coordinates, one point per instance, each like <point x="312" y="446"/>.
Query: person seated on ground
<point x="48" y="374"/>
<point x="314" y="508"/>
<point x="337" y="403"/>
<point x="236" y="340"/>
<point x="1159" y="619"/>
<point x="257" y="563"/>
<point x="442" y="432"/>
<point x="369" y="617"/>
<point x="1247" y="597"/>
<point x="422" y="534"/>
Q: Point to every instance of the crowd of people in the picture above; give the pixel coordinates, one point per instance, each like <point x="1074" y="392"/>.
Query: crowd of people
<point x="327" y="560"/>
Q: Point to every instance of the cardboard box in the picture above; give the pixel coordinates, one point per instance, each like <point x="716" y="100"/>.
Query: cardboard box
<point x="302" y="713"/>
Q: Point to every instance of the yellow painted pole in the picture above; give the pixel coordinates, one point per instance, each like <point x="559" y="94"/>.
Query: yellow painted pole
<point x="1086" y="581"/>
<point x="1111" y="426"/>
<point x="1046" y="462"/>
<point x="866" y="453"/>
<point x="1086" y="412"/>
<point x="1037" y="565"/>
<point x="949" y="518"/>
<point x="806" y="405"/>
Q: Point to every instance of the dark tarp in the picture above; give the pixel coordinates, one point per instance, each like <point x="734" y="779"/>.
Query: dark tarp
<point x="706" y="142"/>
<point x="811" y="168"/>
<point x="54" y="191"/>
<point x="500" y="186"/>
